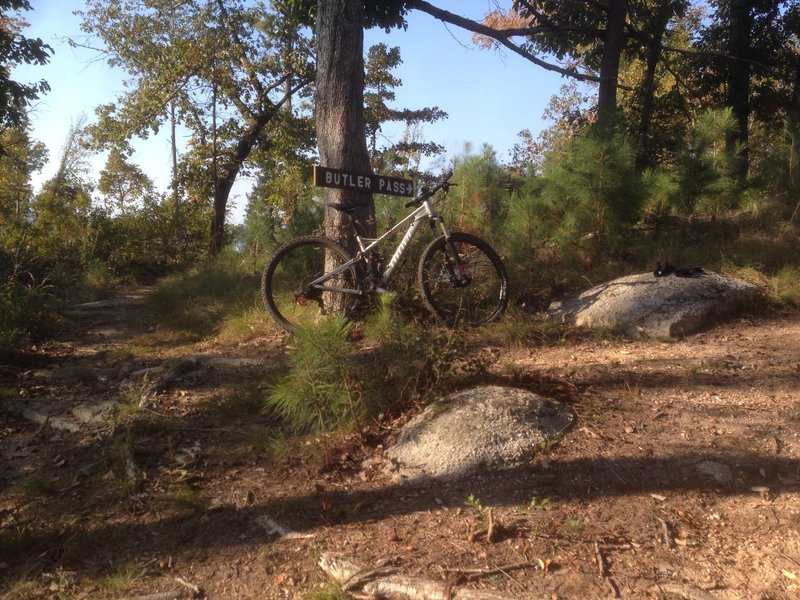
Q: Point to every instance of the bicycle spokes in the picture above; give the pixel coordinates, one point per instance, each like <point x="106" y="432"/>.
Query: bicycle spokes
<point x="463" y="280"/>
<point x="289" y="289"/>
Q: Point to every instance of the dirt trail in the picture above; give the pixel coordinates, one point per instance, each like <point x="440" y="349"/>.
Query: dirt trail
<point x="109" y="324"/>
<point x="679" y="480"/>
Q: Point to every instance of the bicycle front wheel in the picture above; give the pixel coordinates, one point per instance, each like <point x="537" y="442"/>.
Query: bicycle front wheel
<point x="288" y="286"/>
<point x="463" y="280"/>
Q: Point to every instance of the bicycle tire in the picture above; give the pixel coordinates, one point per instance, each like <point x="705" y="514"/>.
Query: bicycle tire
<point x="482" y="300"/>
<point x="292" y="266"/>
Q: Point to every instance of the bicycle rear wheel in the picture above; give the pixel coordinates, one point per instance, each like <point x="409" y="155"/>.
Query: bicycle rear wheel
<point x="463" y="280"/>
<point x="286" y="284"/>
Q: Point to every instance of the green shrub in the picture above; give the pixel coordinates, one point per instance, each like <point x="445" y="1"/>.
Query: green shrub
<point x="590" y="187"/>
<point x="320" y="391"/>
<point x="330" y="591"/>
<point x="385" y="326"/>
<point x="706" y="173"/>
<point x="786" y="285"/>
<point x="564" y="223"/>
<point x="28" y="313"/>
<point x="335" y="383"/>
<point x="96" y="281"/>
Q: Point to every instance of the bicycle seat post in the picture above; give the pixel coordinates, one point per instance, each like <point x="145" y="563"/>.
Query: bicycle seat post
<point x="355" y="230"/>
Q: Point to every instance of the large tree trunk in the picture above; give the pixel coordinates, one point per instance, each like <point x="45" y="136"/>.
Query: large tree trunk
<point x="226" y="177"/>
<point x="341" y="134"/>
<point x="739" y="43"/>
<point x="613" y="43"/>
<point x="648" y="88"/>
<point x="794" y="105"/>
<point x="218" y="220"/>
<point x="232" y="165"/>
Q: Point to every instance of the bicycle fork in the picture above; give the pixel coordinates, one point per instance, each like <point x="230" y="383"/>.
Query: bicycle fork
<point x="454" y="266"/>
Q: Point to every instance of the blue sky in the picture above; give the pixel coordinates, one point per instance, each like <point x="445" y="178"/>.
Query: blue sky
<point x="489" y="96"/>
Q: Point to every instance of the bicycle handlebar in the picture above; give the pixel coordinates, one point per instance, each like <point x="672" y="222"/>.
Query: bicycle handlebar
<point x="426" y="192"/>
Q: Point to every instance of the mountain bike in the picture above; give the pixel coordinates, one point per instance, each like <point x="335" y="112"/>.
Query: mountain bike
<point x="462" y="279"/>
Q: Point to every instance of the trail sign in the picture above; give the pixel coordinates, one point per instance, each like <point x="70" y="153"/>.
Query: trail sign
<point x="363" y="182"/>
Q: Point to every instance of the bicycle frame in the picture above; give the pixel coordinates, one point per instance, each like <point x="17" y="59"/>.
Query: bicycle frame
<point x="425" y="212"/>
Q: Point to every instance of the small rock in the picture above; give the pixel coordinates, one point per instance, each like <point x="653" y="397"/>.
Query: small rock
<point x="94" y="414"/>
<point x="76" y="374"/>
<point x="475" y="430"/>
<point x="718" y="471"/>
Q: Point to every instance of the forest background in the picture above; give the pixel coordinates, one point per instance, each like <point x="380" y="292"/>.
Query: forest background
<point x="675" y="137"/>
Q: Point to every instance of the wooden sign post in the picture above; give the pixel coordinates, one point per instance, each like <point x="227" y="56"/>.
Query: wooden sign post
<point x="362" y="182"/>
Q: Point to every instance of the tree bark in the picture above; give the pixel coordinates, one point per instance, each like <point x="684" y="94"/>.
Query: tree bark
<point x="227" y="175"/>
<point x="341" y="133"/>
<point x="739" y="42"/>
<point x="660" y="20"/>
<point x="613" y="43"/>
<point x="233" y="160"/>
<point x="794" y="105"/>
<point x="222" y="189"/>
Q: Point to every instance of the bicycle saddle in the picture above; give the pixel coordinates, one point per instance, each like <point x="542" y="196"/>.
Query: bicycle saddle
<point x="347" y="208"/>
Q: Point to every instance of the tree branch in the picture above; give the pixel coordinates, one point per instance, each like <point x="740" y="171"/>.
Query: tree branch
<point x="498" y="35"/>
<point x="249" y="68"/>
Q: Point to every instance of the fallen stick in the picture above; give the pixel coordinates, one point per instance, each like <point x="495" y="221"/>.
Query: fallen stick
<point x="226" y="361"/>
<point x="472" y="574"/>
<point x="279" y="530"/>
<point x="375" y="583"/>
<point x="665" y="531"/>
<point x="197" y="591"/>
<point x="601" y="563"/>
<point x="416" y="588"/>
<point x="685" y="591"/>
<point x="490" y="528"/>
<point x="603" y="571"/>
<point x="195" y="361"/>
<point x="170" y="595"/>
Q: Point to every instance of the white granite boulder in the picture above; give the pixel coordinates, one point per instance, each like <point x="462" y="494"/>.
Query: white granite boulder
<point x="483" y="428"/>
<point x="646" y="305"/>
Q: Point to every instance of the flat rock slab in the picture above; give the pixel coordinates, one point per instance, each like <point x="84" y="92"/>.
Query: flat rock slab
<point x="100" y="413"/>
<point x="488" y="427"/>
<point x="644" y="304"/>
